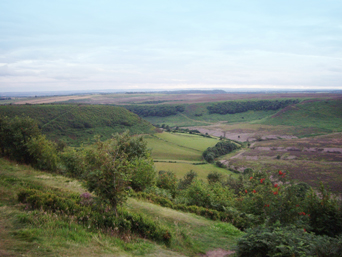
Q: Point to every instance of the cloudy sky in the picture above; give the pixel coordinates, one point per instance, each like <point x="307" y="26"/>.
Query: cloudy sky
<point x="158" y="44"/>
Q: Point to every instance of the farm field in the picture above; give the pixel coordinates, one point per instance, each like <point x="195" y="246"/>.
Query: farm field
<point x="181" y="168"/>
<point x="180" y="153"/>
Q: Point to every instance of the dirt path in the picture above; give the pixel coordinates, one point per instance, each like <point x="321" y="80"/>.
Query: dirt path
<point x="218" y="253"/>
<point x="241" y="152"/>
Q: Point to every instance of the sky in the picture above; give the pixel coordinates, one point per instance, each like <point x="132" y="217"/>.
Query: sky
<point x="164" y="45"/>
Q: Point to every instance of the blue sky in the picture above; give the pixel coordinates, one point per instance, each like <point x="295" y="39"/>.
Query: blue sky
<point x="136" y="45"/>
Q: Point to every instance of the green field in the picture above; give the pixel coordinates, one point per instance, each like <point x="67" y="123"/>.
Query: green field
<point x="181" y="168"/>
<point x="179" y="152"/>
<point x="178" y="146"/>
<point x="162" y="150"/>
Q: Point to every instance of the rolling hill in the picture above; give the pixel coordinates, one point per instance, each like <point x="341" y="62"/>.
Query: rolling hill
<point x="76" y="124"/>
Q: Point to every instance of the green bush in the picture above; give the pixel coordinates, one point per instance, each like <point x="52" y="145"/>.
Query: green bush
<point x="187" y="180"/>
<point x="144" y="174"/>
<point x="43" y="153"/>
<point x="14" y="135"/>
<point x="214" y="177"/>
<point x="325" y="213"/>
<point x="74" y="162"/>
<point x="167" y="180"/>
<point x="286" y="242"/>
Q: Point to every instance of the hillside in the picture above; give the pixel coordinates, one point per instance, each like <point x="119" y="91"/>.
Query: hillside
<point x="325" y="115"/>
<point x="76" y="124"/>
<point x="44" y="233"/>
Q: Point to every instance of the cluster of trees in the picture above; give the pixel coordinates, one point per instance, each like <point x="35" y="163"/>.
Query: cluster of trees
<point x="221" y="148"/>
<point x="231" y="107"/>
<point x="5" y="98"/>
<point x="157" y="110"/>
<point x="110" y="168"/>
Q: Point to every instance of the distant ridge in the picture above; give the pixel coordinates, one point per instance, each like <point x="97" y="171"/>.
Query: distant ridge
<point x="183" y="92"/>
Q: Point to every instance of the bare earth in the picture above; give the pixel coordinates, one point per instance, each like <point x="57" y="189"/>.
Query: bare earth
<point x="218" y="253"/>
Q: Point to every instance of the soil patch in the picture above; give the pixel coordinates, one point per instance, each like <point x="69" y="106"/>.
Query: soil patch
<point x="218" y="253"/>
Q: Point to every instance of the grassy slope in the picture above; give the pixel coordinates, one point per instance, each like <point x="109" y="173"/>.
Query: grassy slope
<point x="43" y="234"/>
<point x="77" y="124"/>
<point x="188" y="118"/>
<point x="324" y="115"/>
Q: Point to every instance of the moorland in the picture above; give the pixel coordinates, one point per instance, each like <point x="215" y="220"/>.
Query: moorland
<point x="213" y="172"/>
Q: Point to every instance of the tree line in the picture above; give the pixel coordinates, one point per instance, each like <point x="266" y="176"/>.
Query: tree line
<point x="158" y="110"/>
<point x="231" y="107"/>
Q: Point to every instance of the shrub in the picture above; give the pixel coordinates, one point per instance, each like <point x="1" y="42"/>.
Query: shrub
<point x="187" y="180"/>
<point x="214" y="177"/>
<point x="167" y="180"/>
<point x="74" y="162"/>
<point x="286" y="242"/>
<point x="14" y="135"/>
<point x="143" y="175"/>
<point x="325" y="213"/>
<point x="43" y="153"/>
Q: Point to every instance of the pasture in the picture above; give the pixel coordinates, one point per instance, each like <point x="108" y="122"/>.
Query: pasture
<point x="180" y="153"/>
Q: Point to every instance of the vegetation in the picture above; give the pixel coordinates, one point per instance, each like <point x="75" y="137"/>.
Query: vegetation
<point x="155" y="110"/>
<point x="179" y="209"/>
<point x="221" y="148"/>
<point x="77" y="124"/>
<point x="232" y="107"/>
<point x="324" y="115"/>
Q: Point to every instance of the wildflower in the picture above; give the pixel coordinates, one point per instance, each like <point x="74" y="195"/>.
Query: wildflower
<point x="262" y="180"/>
<point x="276" y="185"/>
<point x="254" y="191"/>
<point x="280" y="172"/>
<point x="297" y="205"/>
<point x="275" y="193"/>
<point x="304" y="230"/>
<point x="246" y="191"/>
<point x="250" y="178"/>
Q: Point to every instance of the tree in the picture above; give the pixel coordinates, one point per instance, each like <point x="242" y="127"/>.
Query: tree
<point x="111" y="165"/>
<point x="14" y="136"/>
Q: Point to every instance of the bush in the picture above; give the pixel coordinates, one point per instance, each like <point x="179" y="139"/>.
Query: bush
<point x="187" y="180"/>
<point x="214" y="177"/>
<point x="74" y="162"/>
<point x="167" y="180"/>
<point x="325" y="213"/>
<point x="286" y="242"/>
<point x="14" y="135"/>
<point x="143" y="175"/>
<point x="43" y="153"/>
